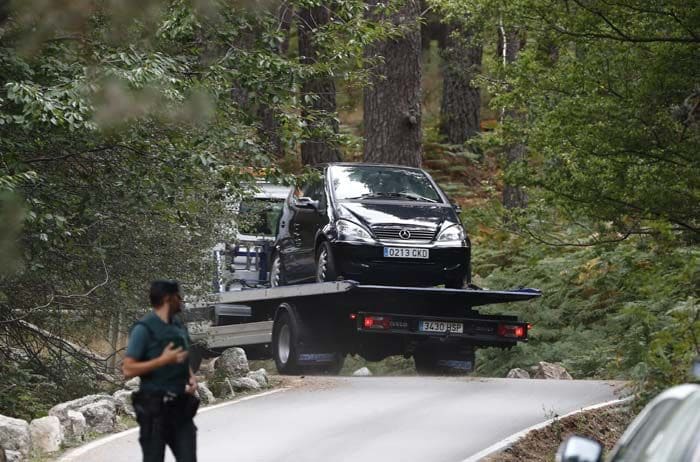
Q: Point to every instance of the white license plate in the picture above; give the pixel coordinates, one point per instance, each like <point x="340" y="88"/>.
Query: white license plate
<point x="441" y="326"/>
<point x="406" y="252"/>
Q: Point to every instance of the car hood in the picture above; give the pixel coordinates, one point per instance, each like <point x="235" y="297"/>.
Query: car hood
<point x="397" y="213"/>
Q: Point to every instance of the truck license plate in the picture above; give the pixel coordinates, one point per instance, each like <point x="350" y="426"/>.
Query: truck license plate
<point x="441" y="326"/>
<point x="406" y="252"/>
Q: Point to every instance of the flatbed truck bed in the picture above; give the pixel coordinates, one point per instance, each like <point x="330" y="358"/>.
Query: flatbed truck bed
<point x="312" y="327"/>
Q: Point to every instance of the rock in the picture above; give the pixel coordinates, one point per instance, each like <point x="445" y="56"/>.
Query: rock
<point x="518" y="373"/>
<point x="100" y="416"/>
<point x="14" y="435"/>
<point x="75" y="426"/>
<point x="13" y="456"/>
<point x="61" y="410"/>
<point x="205" y="394"/>
<point x="234" y="362"/>
<point x="133" y="384"/>
<point x="122" y="399"/>
<point x="260" y="376"/>
<point x="245" y="384"/>
<point x="545" y="370"/>
<point x="46" y="434"/>
<point x="362" y="372"/>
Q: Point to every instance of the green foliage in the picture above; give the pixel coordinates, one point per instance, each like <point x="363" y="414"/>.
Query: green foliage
<point x="624" y="310"/>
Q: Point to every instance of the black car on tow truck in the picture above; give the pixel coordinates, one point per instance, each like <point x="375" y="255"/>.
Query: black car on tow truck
<point x="377" y="224"/>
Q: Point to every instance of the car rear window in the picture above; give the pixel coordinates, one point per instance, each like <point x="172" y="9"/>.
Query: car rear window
<point x="379" y="182"/>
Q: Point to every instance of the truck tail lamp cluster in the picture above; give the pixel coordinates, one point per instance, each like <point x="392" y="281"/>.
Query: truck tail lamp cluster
<point x="377" y="322"/>
<point x="511" y="331"/>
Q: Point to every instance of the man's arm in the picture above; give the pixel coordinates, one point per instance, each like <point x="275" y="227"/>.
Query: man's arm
<point x="133" y="368"/>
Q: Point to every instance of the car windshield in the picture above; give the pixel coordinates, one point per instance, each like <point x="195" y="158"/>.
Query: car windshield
<point x="259" y="216"/>
<point x="379" y="182"/>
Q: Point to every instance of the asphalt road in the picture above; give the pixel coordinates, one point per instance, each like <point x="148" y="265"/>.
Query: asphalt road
<point x="374" y="419"/>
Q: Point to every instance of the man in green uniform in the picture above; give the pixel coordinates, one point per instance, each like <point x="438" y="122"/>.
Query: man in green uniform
<point x="165" y="403"/>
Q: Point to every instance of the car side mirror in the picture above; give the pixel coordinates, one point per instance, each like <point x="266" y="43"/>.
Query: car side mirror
<point x="579" y="449"/>
<point x="457" y="208"/>
<point x="306" y="203"/>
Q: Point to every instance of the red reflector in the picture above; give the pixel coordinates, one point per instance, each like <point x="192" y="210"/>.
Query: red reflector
<point x="529" y="326"/>
<point x="377" y="322"/>
<point x="507" y="330"/>
<point x="353" y="316"/>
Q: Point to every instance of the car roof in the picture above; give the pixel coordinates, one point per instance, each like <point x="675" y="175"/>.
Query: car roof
<point x="271" y="191"/>
<point x="368" y="164"/>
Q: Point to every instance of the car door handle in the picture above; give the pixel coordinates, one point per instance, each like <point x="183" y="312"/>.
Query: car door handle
<point x="283" y="224"/>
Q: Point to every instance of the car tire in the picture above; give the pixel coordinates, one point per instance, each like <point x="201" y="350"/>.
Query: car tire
<point x="325" y="264"/>
<point x="277" y="276"/>
<point x="285" y="344"/>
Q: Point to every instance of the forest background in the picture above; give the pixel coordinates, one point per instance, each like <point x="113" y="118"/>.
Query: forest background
<point x="568" y="131"/>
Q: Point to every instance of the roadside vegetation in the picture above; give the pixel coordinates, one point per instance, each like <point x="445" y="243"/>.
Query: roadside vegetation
<point x="573" y="149"/>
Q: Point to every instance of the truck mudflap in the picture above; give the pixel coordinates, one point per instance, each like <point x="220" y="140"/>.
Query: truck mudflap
<point x="490" y="330"/>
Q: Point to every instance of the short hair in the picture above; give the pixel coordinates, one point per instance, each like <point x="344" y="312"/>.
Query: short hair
<point x="161" y="289"/>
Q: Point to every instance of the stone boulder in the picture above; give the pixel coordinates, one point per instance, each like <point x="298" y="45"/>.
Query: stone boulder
<point x="14" y="456"/>
<point x="550" y="371"/>
<point x="46" y="434"/>
<point x="362" y="372"/>
<point x="100" y="416"/>
<point x="122" y="399"/>
<point x="518" y="373"/>
<point x="133" y="384"/>
<point x="205" y="394"/>
<point x="261" y="377"/>
<point x="14" y="435"/>
<point x="245" y="384"/>
<point x="233" y="362"/>
<point x="61" y="410"/>
<point x="74" y="427"/>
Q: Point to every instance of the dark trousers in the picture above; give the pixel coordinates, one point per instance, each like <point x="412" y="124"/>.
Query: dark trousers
<point x="165" y="425"/>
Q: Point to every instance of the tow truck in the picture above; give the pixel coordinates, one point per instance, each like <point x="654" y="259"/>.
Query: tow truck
<point x="311" y="328"/>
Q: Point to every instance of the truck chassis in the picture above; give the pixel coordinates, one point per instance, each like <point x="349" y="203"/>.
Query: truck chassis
<point x="311" y="328"/>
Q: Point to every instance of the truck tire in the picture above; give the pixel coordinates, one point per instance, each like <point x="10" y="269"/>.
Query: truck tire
<point x="444" y="360"/>
<point x="285" y="344"/>
<point x="325" y="264"/>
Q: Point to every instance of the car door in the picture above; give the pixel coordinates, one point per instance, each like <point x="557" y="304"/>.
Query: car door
<point x="307" y="223"/>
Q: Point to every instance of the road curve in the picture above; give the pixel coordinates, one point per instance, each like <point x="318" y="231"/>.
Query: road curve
<point x="374" y="419"/>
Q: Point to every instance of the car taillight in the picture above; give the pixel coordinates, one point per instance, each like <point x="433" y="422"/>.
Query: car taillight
<point x="512" y="331"/>
<point x="377" y="322"/>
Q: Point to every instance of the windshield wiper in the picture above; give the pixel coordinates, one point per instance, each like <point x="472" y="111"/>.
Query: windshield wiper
<point x="413" y="197"/>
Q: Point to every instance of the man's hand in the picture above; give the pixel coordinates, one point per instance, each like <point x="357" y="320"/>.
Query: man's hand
<point x="191" y="386"/>
<point x="172" y="355"/>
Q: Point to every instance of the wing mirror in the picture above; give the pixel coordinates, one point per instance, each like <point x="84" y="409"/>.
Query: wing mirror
<point x="457" y="207"/>
<point x="306" y="203"/>
<point x="579" y="449"/>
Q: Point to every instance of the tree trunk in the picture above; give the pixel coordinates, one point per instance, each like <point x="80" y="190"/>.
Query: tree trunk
<point x="460" y="109"/>
<point x="392" y="103"/>
<point x="510" y="44"/>
<point x="317" y="93"/>
<point x="270" y="128"/>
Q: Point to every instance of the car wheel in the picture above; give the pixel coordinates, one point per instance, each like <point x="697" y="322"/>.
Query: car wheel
<point x="285" y="344"/>
<point x="325" y="265"/>
<point x="277" y="277"/>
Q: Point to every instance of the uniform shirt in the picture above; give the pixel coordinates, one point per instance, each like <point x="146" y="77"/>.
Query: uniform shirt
<point x="147" y="340"/>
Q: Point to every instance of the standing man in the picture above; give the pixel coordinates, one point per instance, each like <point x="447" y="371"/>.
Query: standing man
<point x="165" y="403"/>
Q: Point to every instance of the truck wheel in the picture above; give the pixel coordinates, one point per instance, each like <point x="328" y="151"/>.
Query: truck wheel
<point x="285" y="344"/>
<point x="277" y="277"/>
<point x="444" y="361"/>
<point x="325" y="264"/>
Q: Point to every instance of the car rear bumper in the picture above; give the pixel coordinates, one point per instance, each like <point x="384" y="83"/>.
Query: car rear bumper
<point x="365" y="262"/>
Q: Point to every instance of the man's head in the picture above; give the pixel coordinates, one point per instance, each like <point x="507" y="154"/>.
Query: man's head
<point x="166" y="294"/>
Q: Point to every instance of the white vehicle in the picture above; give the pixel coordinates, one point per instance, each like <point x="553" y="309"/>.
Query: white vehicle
<point x="243" y="262"/>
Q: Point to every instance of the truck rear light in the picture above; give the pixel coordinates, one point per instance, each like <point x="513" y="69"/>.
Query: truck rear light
<point x="377" y="322"/>
<point x="511" y="331"/>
